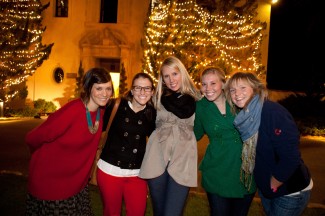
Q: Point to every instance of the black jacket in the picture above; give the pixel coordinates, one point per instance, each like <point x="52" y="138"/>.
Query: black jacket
<point x="126" y="141"/>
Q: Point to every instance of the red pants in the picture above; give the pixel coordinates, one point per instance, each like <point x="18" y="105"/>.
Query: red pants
<point x="114" y="189"/>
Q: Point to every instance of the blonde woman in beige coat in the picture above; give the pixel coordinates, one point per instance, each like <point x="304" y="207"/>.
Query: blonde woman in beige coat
<point x="170" y="161"/>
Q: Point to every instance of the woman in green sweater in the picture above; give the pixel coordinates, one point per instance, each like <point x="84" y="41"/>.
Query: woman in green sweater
<point x="228" y="192"/>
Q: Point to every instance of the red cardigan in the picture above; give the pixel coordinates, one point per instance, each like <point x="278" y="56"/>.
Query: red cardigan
<point x="63" y="151"/>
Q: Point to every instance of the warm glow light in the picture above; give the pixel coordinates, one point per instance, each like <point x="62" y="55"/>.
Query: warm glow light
<point x="1" y="108"/>
<point x="116" y="82"/>
<point x="22" y="50"/>
<point x="187" y="30"/>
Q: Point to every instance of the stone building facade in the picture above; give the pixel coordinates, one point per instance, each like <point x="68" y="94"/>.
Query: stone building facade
<point x="83" y="37"/>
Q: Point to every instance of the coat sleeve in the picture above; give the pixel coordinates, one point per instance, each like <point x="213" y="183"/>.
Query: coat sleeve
<point x="198" y="126"/>
<point x="285" y="138"/>
<point x="55" y="126"/>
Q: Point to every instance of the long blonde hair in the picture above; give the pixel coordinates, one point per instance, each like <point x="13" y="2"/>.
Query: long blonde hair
<point x="187" y="85"/>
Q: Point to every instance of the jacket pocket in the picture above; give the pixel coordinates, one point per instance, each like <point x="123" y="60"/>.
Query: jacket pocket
<point x="299" y="180"/>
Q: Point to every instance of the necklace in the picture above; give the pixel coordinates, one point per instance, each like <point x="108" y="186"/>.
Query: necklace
<point x="92" y="128"/>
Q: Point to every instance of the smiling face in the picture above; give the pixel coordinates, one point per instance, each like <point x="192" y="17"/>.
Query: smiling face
<point x="241" y="93"/>
<point x="100" y="94"/>
<point x="172" y="78"/>
<point x="211" y="86"/>
<point x="142" y="91"/>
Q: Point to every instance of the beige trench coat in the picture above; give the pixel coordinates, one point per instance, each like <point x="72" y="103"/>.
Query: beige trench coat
<point x="172" y="141"/>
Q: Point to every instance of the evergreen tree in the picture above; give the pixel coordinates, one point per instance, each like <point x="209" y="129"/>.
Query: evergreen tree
<point x="21" y="48"/>
<point x="123" y="86"/>
<point x="79" y="81"/>
<point x="223" y="36"/>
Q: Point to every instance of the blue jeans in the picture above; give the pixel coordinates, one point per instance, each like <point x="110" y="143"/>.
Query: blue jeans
<point x="167" y="196"/>
<point x="221" y="206"/>
<point x="286" y="205"/>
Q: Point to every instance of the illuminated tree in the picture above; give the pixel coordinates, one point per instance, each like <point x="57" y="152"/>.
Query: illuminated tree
<point x="21" y="48"/>
<point x="225" y="36"/>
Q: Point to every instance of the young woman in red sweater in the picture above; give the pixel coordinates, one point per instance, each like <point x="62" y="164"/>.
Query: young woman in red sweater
<point x="63" y="149"/>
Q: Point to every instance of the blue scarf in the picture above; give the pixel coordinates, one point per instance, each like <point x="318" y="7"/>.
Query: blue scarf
<point x="247" y="123"/>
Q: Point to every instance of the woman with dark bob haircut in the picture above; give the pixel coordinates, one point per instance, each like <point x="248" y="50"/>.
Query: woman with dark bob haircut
<point x="63" y="149"/>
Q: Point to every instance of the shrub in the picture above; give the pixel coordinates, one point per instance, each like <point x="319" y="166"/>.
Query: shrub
<point x="43" y="106"/>
<point x="308" y="113"/>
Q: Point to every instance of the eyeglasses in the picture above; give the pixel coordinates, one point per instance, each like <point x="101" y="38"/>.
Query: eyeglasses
<point x="139" y="88"/>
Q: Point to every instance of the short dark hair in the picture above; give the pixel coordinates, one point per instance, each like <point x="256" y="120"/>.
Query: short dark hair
<point x="92" y="76"/>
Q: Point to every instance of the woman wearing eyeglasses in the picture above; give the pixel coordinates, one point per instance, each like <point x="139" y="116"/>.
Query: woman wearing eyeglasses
<point x="121" y="158"/>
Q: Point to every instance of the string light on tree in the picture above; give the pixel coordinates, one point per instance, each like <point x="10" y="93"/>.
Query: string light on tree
<point x="202" y="38"/>
<point x="21" y="48"/>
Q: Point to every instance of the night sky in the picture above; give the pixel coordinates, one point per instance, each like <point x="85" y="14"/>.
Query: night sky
<point x="296" y="59"/>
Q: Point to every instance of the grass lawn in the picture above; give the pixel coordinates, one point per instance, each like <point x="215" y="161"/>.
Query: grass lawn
<point x="13" y="194"/>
